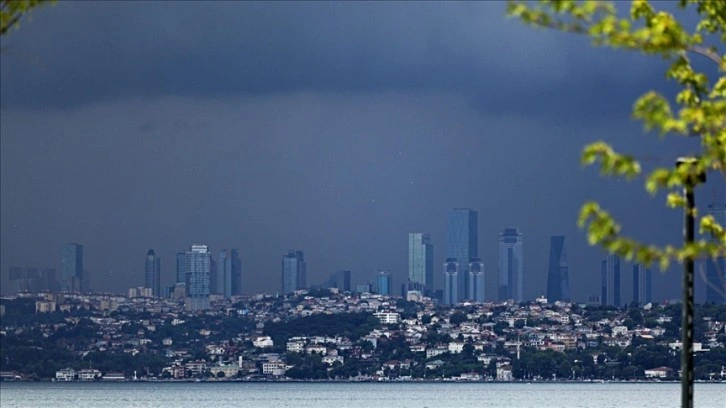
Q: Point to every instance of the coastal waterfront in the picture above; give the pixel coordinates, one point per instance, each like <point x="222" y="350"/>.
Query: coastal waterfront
<point x="322" y="395"/>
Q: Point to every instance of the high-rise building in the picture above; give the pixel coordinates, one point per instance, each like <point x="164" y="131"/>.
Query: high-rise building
<point x="152" y="273"/>
<point x="342" y="280"/>
<point x="476" y="280"/>
<point x="558" y="276"/>
<point x="642" y="285"/>
<point x="229" y="275"/>
<point x="451" y="281"/>
<point x="511" y="265"/>
<point x="293" y="272"/>
<point x="181" y="267"/>
<point x="716" y="267"/>
<point x="462" y="243"/>
<point x="384" y="283"/>
<point x="421" y="260"/>
<point x="610" y="281"/>
<point x="198" y="266"/>
<point x="72" y="268"/>
<point x="213" y="277"/>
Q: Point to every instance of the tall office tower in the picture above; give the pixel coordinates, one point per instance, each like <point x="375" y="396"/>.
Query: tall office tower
<point x="421" y="260"/>
<point x="610" y="281"/>
<point x="558" y="276"/>
<point x="214" y="278"/>
<point x="451" y="281"/>
<point x="716" y="267"/>
<point x="293" y="271"/>
<point x="49" y="280"/>
<point x="642" y="282"/>
<point x="462" y="243"/>
<point x="476" y="280"/>
<point x="181" y="267"/>
<point x="229" y="275"/>
<point x="511" y="265"/>
<point x="153" y="273"/>
<point x="342" y="280"/>
<point x="198" y="270"/>
<point x="384" y="283"/>
<point x="72" y="268"/>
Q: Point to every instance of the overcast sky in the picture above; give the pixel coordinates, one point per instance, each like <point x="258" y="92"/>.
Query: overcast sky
<point x="334" y="128"/>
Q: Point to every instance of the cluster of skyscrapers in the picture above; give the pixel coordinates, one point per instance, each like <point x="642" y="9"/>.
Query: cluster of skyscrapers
<point x="198" y="275"/>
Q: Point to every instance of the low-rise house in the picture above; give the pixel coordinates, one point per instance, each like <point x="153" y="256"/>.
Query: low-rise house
<point x="65" y="374"/>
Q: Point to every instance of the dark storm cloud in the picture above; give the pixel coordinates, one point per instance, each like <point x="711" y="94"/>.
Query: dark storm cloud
<point x="81" y="52"/>
<point x="336" y="128"/>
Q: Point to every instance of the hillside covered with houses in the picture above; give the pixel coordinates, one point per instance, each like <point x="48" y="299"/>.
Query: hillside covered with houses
<point x="325" y="335"/>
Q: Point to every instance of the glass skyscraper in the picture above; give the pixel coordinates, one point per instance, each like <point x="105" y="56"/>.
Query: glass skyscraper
<point x="610" y="281"/>
<point x="293" y="272"/>
<point x="198" y="266"/>
<point x="72" y="268"/>
<point x="476" y="280"/>
<point x="716" y="267"/>
<point x="181" y="268"/>
<point x="229" y="274"/>
<point x="558" y="275"/>
<point x="152" y="273"/>
<point x="642" y="285"/>
<point x="451" y="281"/>
<point x="511" y="265"/>
<point x="462" y="243"/>
<point x="384" y="283"/>
<point x="421" y="260"/>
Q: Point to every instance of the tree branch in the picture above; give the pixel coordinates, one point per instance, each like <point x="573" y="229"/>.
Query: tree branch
<point x="705" y="52"/>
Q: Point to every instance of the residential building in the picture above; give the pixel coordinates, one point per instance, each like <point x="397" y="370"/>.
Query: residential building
<point x="451" y="281"/>
<point x="642" y="285"/>
<point x="476" y="280"/>
<point x="511" y="265"/>
<point x="610" y="281"/>
<point x="72" y="268"/>
<point x="558" y="276"/>
<point x="293" y="271"/>
<point x="462" y="244"/>
<point x="198" y="270"/>
<point x="421" y="260"/>
<point x="153" y="273"/>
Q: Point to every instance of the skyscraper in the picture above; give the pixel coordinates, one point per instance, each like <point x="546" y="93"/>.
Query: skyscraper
<point x="342" y="280"/>
<point x="181" y="268"/>
<point x="153" y="273"/>
<point x="293" y="271"/>
<point x="229" y="275"/>
<point x="558" y="276"/>
<point x="421" y="260"/>
<point x="384" y="282"/>
<point x="610" y="281"/>
<point x="716" y="267"/>
<point x="198" y="265"/>
<point x="476" y="280"/>
<point x="511" y="265"/>
<point x="642" y="285"/>
<point x="72" y="268"/>
<point x="451" y="281"/>
<point x="462" y="243"/>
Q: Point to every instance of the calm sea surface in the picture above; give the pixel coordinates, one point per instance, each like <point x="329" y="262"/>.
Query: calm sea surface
<point x="344" y="395"/>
